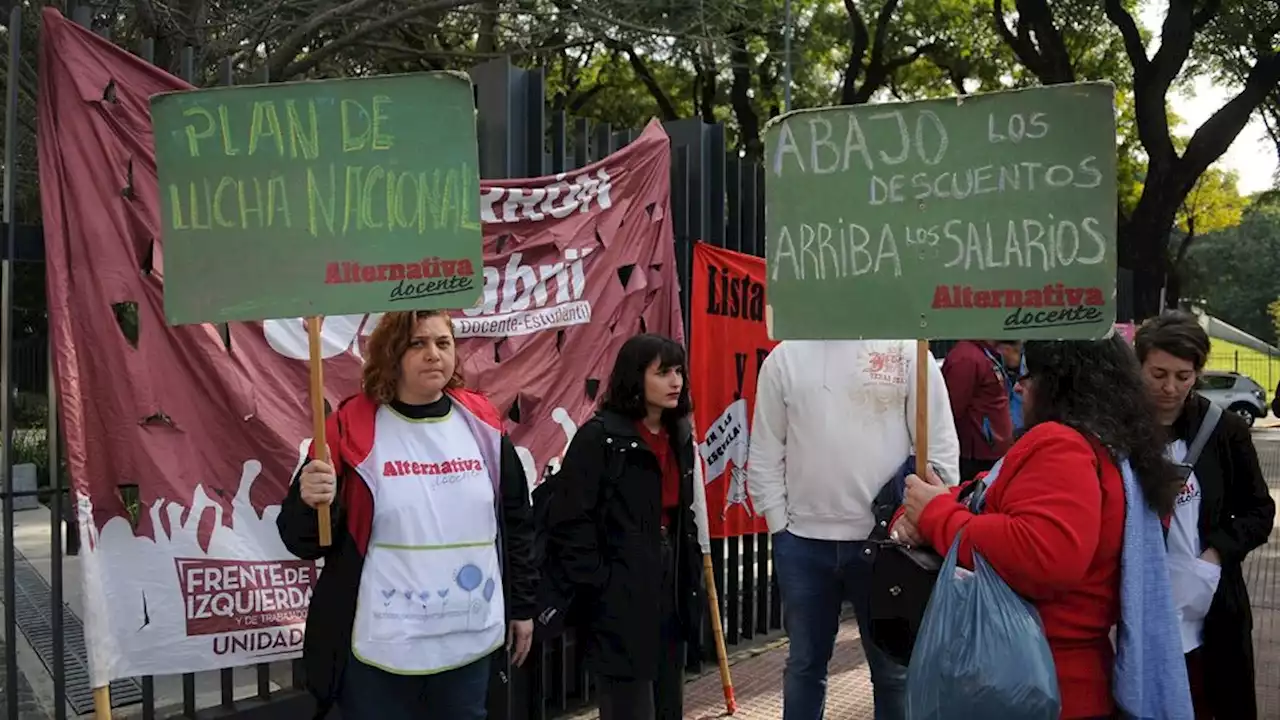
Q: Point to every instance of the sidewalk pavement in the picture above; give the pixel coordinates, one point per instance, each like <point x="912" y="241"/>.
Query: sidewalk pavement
<point x="757" y="674"/>
<point x="757" y="684"/>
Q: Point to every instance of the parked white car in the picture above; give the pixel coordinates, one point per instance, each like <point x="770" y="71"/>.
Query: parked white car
<point x="1235" y="393"/>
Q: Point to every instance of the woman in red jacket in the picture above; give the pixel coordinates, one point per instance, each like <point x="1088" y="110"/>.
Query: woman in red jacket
<point x="1053" y="523"/>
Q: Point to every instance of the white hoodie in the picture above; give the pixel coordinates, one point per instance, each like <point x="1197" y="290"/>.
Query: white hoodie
<point x="834" y="420"/>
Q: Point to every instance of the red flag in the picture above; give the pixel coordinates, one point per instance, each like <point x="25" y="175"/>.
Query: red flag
<point x="730" y="342"/>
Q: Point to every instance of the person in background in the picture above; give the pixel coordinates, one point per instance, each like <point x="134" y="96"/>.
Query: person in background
<point x="1010" y="354"/>
<point x="431" y="571"/>
<point x="623" y="533"/>
<point x="1073" y="532"/>
<point x="834" y="421"/>
<point x="1223" y="512"/>
<point x="976" y="385"/>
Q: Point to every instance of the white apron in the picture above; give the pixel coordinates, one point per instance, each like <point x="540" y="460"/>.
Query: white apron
<point x="430" y="594"/>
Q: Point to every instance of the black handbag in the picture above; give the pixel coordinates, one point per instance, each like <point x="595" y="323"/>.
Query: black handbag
<point x="902" y="577"/>
<point x="902" y="583"/>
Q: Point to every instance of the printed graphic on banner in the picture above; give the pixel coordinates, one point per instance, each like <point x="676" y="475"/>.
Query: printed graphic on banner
<point x="319" y="197"/>
<point x="196" y="577"/>
<point x="729" y="344"/>
<point x="988" y="216"/>
<point x="228" y="595"/>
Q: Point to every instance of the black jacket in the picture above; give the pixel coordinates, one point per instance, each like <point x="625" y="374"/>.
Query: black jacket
<point x="333" y="602"/>
<point x="605" y="530"/>
<point x="1236" y="515"/>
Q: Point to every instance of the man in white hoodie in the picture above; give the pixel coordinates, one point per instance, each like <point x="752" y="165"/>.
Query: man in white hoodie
<point x="834" y="421"/>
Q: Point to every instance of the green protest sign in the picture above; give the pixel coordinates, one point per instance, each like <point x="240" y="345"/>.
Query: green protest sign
<point x="319" y="198"/>
<point x="988" y="217"/>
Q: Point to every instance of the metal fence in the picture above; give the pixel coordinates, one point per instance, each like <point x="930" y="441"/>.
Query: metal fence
<point x="1261" y="368"/>
<point x="716" y="198"/>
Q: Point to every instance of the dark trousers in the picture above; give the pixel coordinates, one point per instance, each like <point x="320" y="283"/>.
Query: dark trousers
<point x="458" y="694"/>
<point x="1199" y="692"/>
<point x="663" y="697"/>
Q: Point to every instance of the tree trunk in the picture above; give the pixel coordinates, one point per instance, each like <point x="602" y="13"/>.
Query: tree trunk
<point x="487" y="39"/>
<point x="1143" y="247"/>
<point x="740" y="98"/>
<point x="707" y="92"/>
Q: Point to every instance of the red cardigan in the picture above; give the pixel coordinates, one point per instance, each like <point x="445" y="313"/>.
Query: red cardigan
<point x="1054" y="533"/>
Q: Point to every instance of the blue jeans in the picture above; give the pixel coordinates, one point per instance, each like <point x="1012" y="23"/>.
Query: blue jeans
<point x="458" y="694"/>
<point x="815" y="578"/>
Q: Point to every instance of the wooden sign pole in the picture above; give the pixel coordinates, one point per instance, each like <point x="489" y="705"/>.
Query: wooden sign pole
<point x="713" y="600"/>
<point x="102" y="703"/>
<point x="922" y="408"/>
<point x="319" y="444"/>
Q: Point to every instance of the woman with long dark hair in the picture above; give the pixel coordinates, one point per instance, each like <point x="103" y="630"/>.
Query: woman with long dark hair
<point x="1086" y="481"/>
<point x="623" y="534"/>
<point x="430" y="573"/>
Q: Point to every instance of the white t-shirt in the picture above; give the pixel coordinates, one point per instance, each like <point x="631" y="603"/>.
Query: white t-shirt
<point x="430" y="594"/>
<point x="834" y="420"/>
<point x="1194" y="580"/>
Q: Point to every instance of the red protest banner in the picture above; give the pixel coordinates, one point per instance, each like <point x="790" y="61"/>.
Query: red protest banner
<point x="729" y="342"/>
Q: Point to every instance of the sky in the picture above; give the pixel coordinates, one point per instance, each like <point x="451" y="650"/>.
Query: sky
<point x="1253" y="155"/>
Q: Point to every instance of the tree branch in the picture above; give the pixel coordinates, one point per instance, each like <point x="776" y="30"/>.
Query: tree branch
<point x="584" y="98"/>
<point x="641" y="69"/>
<point x="1177" y="35"/>
<point x="740" y="95"/>
<point x="1212" y="139"/>
<point x="1020" y="44"/>
<point x="1205" y="14"/>
<point x="282" y="64"/>
<point x="883" y="18"/>
<point x="900" y="62"/>
<point x="859" y="42"/>
<point x="1152" y="80"/>
<point x="1129" y="32"/>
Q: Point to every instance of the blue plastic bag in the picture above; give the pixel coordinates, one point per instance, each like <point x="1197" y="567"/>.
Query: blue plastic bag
<point x="981" y="652"/>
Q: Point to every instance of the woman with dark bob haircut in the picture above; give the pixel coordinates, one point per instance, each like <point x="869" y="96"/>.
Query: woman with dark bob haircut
<point x="1223" y="513"/>
<point x="429" y="584"/>
<point x="623" y="534"/>
<point x="1054" y="525"/>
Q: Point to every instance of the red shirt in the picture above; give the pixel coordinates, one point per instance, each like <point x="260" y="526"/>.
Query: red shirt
<point x="1053" y="531"/>
<point x="660" y="444"/>
<point x="979" y="400"/>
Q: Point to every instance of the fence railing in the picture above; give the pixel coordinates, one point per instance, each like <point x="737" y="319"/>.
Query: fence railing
<point x="1261" y="368"/>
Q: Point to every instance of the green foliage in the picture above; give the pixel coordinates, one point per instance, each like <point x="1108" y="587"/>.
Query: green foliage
<point x="1235" y="273"/>
<point x="1213" y="204"/>
<point x="625" y="61"/>
<point x="1273" y="309"/>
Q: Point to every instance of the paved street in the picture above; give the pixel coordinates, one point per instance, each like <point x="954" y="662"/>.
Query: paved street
<point x="28" y="706"/>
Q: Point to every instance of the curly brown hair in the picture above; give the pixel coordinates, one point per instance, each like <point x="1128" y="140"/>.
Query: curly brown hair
<point x="388" y="343"/>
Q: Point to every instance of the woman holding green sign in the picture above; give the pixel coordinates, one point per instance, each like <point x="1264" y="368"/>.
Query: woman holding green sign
<point x="430" y="573"/>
